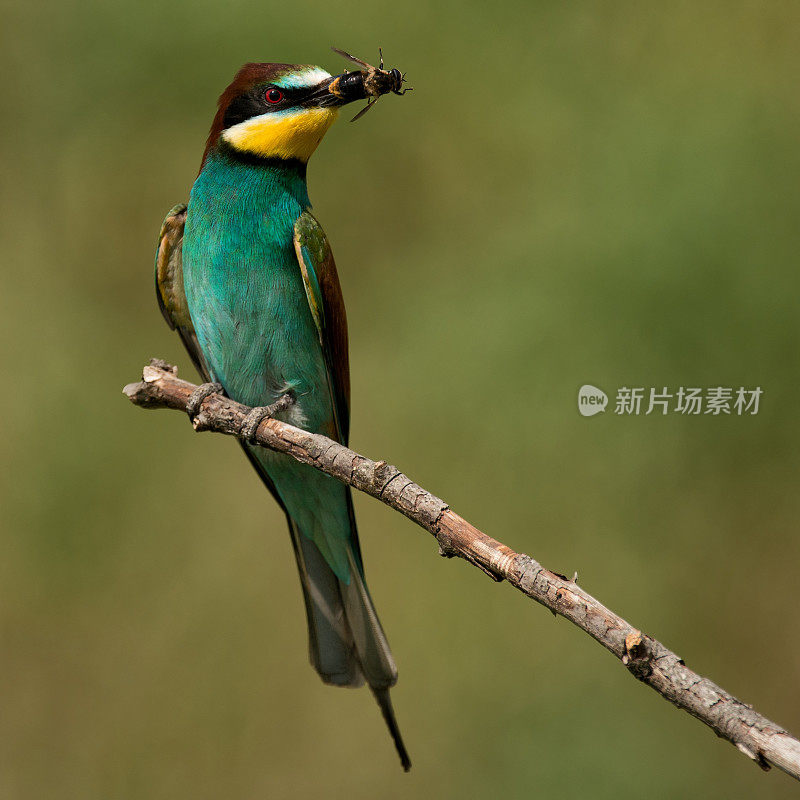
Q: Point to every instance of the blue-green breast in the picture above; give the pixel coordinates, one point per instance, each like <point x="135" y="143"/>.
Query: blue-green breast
<point x="244" y="286"/>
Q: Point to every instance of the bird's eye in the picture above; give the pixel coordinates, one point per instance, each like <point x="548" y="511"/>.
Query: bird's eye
<point x="273" y="95"/>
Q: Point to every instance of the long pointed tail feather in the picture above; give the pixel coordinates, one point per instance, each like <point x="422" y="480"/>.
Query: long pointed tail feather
<point x="385" y="703"/>
<point x="374" y="653"/>
<point x="345" y="640"/>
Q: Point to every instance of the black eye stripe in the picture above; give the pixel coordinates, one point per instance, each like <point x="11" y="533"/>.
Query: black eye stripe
<point x="253" y="103"/>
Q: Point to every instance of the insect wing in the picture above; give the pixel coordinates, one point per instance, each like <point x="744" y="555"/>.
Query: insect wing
<point x="364" y="110"/>
<point x="352" y="58"/>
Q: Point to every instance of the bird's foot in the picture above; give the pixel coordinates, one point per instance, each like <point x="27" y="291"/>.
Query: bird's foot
<point x="198" y="395"/>
<point x="247" y="433"/>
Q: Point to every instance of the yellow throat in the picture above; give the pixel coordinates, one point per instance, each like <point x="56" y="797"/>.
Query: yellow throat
<point x="293" y="134"/>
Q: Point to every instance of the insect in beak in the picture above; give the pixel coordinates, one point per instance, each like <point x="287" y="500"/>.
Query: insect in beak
<point x="377" y="81"/>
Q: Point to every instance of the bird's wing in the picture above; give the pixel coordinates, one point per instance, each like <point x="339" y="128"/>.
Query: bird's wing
<point x="169" y="284"/>
<point x="327" y="308"/>
<point x="375" y="659"/>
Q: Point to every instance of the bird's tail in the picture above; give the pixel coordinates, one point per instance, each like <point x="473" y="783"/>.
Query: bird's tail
<point x="345" y="640"/>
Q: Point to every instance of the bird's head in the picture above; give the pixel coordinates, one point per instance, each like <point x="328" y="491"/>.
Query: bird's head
<point x="280" y="110"/>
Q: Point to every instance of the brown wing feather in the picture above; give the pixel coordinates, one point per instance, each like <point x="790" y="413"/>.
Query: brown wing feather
<point x="327" y="306"/>
<point x="169" y="284"/>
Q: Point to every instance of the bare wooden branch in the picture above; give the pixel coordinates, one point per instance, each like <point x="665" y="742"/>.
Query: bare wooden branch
<point x="645" y="658"/>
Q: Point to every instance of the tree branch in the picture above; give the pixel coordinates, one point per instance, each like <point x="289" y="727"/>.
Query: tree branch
<point x="645" y="658"/>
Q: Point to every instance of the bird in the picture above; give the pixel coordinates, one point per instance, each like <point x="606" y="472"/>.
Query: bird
<point x="246" y="276"/>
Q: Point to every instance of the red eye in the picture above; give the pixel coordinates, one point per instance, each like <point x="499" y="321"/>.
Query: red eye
<point x="273" y="95"/>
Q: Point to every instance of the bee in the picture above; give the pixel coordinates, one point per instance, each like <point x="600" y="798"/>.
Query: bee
<point x="375" y="80"/>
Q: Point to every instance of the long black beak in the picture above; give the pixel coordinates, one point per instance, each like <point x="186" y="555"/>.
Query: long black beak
<point x="338" y="90"/>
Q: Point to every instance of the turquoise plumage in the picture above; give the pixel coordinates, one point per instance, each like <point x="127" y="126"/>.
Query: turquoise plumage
<point x="247" y="278"/>
<point x="255" y="328"/>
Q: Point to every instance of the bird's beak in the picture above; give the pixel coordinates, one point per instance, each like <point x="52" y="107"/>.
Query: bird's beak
<point x="338" y="90"/>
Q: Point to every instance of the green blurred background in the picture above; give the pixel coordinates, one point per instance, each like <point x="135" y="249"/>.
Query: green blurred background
<point x="574" y="193"/>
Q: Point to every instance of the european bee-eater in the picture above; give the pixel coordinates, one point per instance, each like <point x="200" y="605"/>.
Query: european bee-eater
<point x="246" y="276"/>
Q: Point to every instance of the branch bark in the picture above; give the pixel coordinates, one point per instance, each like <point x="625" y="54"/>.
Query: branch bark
<point x="645" y="658"/>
